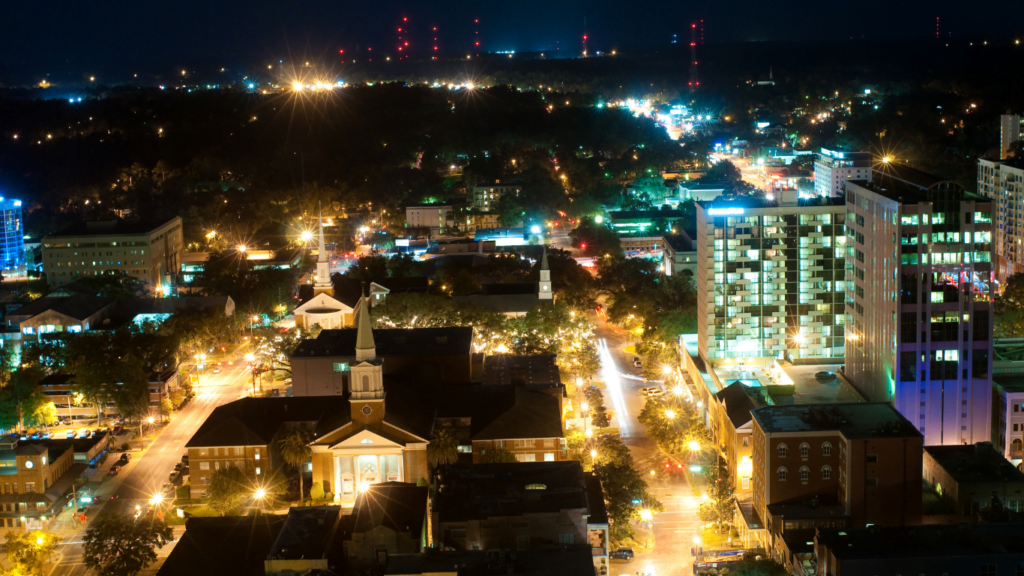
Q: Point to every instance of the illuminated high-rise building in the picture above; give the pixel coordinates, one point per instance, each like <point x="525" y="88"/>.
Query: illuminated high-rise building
<point x="919" y="301"/>
<point x="12" y="237"/>
<point x="770" y="277"/>
<point x="1011" y="129"/>
<point x="833" y="168"/>
<point x="1003" y="182"/>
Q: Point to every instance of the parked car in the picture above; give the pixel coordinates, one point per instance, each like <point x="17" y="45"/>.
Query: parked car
<point x="625" y="554"/>
<point x="216" y="370"/>
<point x="125" y="458"/>
<point x="184" y="459"/>
<point x="167" y="490"/>
<point x="178" y="467"/>
<point x="117" y="429"/>
<point x="825" y="375"/>
<point x="174" y="475"/>
<point x="114" y="470"/>
<point x="652" y="391"/>
<point x="636" y="362"/>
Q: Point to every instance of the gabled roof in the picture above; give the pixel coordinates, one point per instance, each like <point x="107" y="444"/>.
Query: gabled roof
<point x="255" y="421"/>
<point x="322" y="303"/>
<point x="504" y="412"/>
<point x="400" y="506"/>
<point x="226" y="545"/>
<point x="79" y="306"/>
<point x="390" y="342"/>
<point x="738" y="403"/>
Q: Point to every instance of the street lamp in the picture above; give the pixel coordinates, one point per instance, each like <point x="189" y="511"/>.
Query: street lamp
<point x="678" y="390"/>
<point x="694" y="445"/>
<point x="666" y="369"/>
<point x="251" y="359"/>
<point x="670" y="414"/>
<point x="646" y="515"/>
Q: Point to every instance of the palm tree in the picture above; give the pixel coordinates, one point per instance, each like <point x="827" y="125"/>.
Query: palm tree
<point x="296" y="451"/>
<point x="444" y="448"/>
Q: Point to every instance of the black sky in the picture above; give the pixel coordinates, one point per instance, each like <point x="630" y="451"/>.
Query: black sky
<point x="65" y="35"/>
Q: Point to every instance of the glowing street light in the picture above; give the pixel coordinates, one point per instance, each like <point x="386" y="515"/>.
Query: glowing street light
<point x="306" y="236"/>
<point x="150" y="419"/>
<point x="678" y="390"/>
<point x="670" y="414"/>
<point x="156" y="499"/>
<point x="885" y="160"/>
<point x="589" y="433"/>
<point x="584" y="406"/>
<point x="250" y="357"/>
<point x="297" y="86"/>
<point x="666" y="369"/>
<point x="260" y="494"/>
<point x="694" y="445"/>
<point x="242" y="248"/>
<point x="646" y="515"/>
<point x="364" y="486"/>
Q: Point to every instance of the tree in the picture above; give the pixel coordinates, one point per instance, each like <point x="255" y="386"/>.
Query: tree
<point x="229" y="488"/>
<point x="39" y="410"/>
<point x="30" y="552"/>
<point x="498" y="456"/>
<point x="719" y="506"/>
<point x="316" y="492"/>
<point x="115" y="545"/>
<point x="754" y="567"/>
<point x="166" y="408"/>
<point x="116" y="284"/>
<point x="368" y="268"/>
<point x="595" y="239"/>
<point x="443" y="447"/>
<point x="296" y="452"/>
<point x="177" y="396"/>
<point x="403" y="266"/>
<point x="624" y="489"/>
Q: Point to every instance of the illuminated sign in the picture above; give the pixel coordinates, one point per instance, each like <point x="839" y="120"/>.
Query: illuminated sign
<point x="402" y="242"/>
<point x="725" y="211"/>
<point x="763" y="125"/>
<point x="831" y="153"/>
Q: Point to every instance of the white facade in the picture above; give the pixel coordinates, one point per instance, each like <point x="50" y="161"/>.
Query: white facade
<point x="434" y="216"/>
<point x="832" y="169"/>
<point x="1003" y="182"/>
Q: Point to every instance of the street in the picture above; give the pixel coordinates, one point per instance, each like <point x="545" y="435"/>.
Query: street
<point x="150" y="469"/>
<point x="674" y="529"/>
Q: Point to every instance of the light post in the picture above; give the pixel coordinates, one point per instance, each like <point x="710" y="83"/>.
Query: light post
<point x="259" y="495"/>
<point x="251" y="359"/>
<point x="593" y="459"/>
<point x="150" y="420"/>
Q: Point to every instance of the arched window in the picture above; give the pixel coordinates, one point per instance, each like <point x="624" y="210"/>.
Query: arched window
<point x="783" y="473"/>
<point x="805" y="450"/>
<point x="1016" y="444"/>
<point x="366" y="383"/>
<point x="826" y="472"/>
<point x="805" y="473"/>
<point x="783" y="449"/>
<point x="826" y="449"/>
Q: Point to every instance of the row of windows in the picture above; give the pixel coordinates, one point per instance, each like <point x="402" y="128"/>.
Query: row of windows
<point x="805" y="449"/>
<point x="805" y="473"/>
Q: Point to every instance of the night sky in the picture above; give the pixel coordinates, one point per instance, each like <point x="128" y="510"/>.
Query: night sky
<point x="62" y="36"/>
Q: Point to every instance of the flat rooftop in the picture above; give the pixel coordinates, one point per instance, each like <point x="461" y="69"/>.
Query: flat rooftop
<point x="912" y="186"/>
<point x="480" y="491"/>
<point x="952" y="540"/>
<point x="761" y="201"/>
<point x="874" y="420"/>
<point x="979" y="462"/>
<point x="111" y="227"/>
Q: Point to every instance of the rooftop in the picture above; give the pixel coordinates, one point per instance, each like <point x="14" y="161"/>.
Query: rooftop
<point x="78" y="306"/>
<point x="1009" y="382"/>
<point x="400" y="506"/>
<point x="1017" y="163"/>
<point x="875" y="420"/>
<point x="479" y="491"/>
<point x="502" y="412"/>
<point x="553" y="561"/>
<point x="391" y="342"/>
<point x="761" y="201"/>
<point x="974" y="463"/>
<point x="307" y="533"/>
<point x="223" y="545"/>
<point x="255" y="421"/>
<point x="506" y="369"/>
<point x="952" y="540"/>
<point x="912" y="186"/>
<point x="680" y="243"/>
<point x="111" y="227"/>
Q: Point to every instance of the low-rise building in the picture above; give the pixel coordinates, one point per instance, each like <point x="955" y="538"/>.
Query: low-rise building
<point x="549" y="561"/>
<point x="635" y="246"/>
<point x="732" y="427"/>
<point x="309" y="542"/>
<point x="959" y="549"/>
<point x="679" y="256"/>
<point x="485" y="196"/>
<point x="834" y="465"/>
<point x="519" y="506"/>
<point x="975" y="479"/>
<point x="145" y="249"/>
<point x="237" y="545"/>
<point x="1008" y="416"/>
<point x="35" y="480"/>
<point x="76" y="313"/>
<point x="437" y="217"/>
<point x="388" y="518"/>
<point x="833" y="168"/>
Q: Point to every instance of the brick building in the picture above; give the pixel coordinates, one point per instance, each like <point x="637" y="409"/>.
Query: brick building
<point x="974" y="479"/>
<point x="834" y="465"/>
<point x="34" y="479"/>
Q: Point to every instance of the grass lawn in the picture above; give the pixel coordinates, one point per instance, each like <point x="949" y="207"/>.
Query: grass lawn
<point x="712" y="540"/>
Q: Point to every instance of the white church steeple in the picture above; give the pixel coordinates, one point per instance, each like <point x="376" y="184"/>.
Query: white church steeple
<point x="544" y="286"/>
<point x="323" y="266"/>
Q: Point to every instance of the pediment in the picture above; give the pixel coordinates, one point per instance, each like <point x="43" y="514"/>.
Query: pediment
<point x="323" y="300"/>
<point x="365" y="439"/>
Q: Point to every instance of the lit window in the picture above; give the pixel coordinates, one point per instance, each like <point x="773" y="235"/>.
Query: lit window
<point x="257" y="470"/>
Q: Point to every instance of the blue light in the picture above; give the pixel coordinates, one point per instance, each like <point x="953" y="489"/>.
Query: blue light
<point x="535" y="229"/>
<point x="251" y="86"/>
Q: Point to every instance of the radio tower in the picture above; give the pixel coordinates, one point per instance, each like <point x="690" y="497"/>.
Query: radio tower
<point x="693" y="58"/>
<point x="936" y="27"/>
<point x="584" y="36"/>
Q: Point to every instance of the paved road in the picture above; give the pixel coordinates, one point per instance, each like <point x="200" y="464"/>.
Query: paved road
<point x="149" y="470"/>
<point x="674" y="529"/>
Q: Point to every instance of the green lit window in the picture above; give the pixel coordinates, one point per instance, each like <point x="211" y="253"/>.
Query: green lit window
<point x="937" y="297"/>
<point x="340" y="367"/>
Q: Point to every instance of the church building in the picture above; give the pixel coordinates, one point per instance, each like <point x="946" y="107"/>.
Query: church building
<point x="323" y="309"/>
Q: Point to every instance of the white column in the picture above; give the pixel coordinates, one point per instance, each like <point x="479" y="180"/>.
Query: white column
<point x="401" y="467"/>
<point x="378" y="469"/>
<point x="337" y="479"/>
